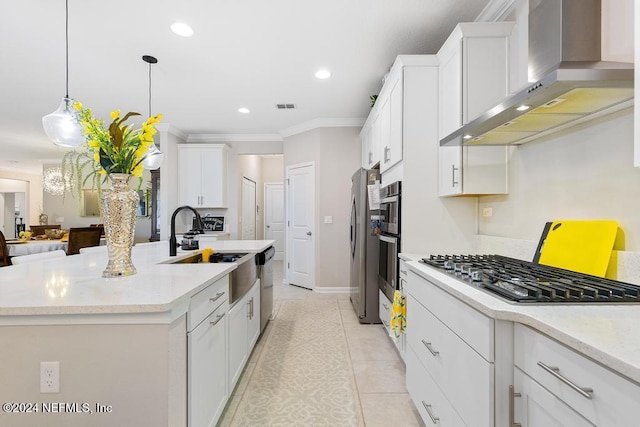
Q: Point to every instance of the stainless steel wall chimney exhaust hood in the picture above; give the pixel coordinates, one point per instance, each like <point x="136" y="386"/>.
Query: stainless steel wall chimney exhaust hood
<point x="571" y="82"/>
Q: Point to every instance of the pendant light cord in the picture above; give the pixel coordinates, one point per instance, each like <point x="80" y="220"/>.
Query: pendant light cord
<point x="149" y="89"/>
<point x="66" y="42"/>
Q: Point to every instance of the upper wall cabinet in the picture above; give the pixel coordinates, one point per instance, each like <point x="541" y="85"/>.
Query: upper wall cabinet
<point x="202" y="175"/>
<point x="474" y="72"/>
<point x="473" y="77"/>
<point x="384" y="132"/>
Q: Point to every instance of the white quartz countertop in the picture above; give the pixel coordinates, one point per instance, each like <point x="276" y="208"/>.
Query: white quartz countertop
<point x="607" y="333"/>
<point x="74" y="285"/>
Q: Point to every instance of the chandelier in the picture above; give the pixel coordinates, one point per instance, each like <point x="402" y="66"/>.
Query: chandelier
<point x="54" y="183"/>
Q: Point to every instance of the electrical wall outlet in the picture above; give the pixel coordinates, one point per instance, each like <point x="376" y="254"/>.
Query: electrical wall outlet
<point x="487" y="212"/>
<point x="49" y="377"/>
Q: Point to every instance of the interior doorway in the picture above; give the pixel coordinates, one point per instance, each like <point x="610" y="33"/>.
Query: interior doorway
<point x="274" y="217"/>
<point x="300" y="256"/>
<point x="249" y="209"/>
<point x="13" y="207"/>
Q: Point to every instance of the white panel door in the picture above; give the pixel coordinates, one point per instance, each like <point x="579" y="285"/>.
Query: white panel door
<point x="300" y="225"/>
<point x="248" y="209"/>
<point x="274" y="217"/>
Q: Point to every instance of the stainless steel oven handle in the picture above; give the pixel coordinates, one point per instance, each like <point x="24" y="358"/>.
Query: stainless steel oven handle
<point x="390" y="199"/>
<point x="430" y="348"/>
<point x="434" y="419"/>
<point x="388" y="239"/>
<point x="555" y="371"/>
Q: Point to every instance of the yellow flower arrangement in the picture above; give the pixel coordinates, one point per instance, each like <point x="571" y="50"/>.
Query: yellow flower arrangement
<point x="118" y="148"/>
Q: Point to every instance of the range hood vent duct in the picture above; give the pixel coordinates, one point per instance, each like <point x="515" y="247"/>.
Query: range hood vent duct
<point x="571" y="82"/>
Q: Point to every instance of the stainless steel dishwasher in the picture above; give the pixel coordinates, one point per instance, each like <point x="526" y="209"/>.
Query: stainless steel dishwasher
<point x="264" y="260"/>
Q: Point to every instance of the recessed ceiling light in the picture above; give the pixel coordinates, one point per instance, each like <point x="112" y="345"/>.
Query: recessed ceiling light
<point x="523" y="108"/>
<point x="244" y="110"/>
<point x="323" y="74"/>
<point x="182" y="29"/>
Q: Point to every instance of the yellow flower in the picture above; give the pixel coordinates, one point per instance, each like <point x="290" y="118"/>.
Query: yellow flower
<point x="115" y="114"/>
<point x="78" y="105"/>
<point x="137" y="171"/>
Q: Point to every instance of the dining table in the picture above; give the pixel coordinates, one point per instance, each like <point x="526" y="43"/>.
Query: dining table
<point x="19" y="247"/>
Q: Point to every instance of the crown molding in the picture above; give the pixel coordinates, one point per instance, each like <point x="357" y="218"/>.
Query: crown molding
<point x="495" y="10"/>
<point x="321" y="123"/>
<point x="166" y="127"/>
<point x="233" y="137"/>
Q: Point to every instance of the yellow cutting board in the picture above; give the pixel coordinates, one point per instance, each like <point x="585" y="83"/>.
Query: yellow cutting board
<point x="582" y="246"/>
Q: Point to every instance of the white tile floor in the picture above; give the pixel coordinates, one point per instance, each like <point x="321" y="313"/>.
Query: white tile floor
<point x="377" y="368"/>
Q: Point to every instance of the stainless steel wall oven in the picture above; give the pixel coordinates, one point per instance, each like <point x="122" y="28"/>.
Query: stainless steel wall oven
<point x="389" y="239"/>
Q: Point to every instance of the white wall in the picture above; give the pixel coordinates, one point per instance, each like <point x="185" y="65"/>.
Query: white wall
<point x="336" y="153"/>
<point x="585" y="172"/>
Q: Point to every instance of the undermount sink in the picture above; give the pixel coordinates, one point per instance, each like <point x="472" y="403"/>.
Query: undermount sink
<point x="241" y="279"/>
<point x="214" y="258"/>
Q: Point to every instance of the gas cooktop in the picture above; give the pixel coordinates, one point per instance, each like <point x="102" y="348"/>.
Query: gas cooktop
<point x="527" y="282"/>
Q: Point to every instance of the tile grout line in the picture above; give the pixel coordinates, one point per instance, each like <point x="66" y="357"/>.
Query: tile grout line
<point x="353" y="373"/>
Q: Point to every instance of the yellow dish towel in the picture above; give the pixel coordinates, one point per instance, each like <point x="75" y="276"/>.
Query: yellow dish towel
<point x="398" y="314"/>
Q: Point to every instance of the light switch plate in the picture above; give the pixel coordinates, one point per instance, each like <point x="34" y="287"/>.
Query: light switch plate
<point x="328" y="219"/>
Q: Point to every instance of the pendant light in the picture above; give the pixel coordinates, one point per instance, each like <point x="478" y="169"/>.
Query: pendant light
<point x="154" y="158"/>
<point x="61" y="126"/>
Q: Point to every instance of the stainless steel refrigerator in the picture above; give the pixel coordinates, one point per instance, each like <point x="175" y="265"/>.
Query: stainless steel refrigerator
<point x="364" y="247"/>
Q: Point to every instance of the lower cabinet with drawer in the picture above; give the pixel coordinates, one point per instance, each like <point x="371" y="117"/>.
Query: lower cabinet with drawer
<point x="207" y="391"/>
<point x="454" y="360"/>
<point x="554" y="385"/>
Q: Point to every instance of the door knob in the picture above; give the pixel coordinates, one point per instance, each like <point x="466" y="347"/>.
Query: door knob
<point x="308" y="233"/>
<point x="268" y="226"/>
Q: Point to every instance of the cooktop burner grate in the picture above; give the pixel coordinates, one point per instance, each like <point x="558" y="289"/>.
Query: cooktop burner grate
<point x="524" y="281"/>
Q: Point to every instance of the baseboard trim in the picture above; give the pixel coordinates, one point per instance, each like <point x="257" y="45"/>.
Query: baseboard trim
<point x="331" y="289"/>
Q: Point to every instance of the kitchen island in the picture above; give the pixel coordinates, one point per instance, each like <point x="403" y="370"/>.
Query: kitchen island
<point x="518" y="352"/>
<point x="121" y="343"/>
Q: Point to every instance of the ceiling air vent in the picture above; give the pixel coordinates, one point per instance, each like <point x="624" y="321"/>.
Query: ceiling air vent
<point x="285" y="106"/>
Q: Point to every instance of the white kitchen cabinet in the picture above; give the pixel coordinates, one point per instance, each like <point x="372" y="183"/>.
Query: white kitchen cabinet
<point x="370" y="137"/>
<point x="474" y="72"/>
<point x="253" y="319"/>
<point x="202" y="175"/>
<point x="454" y="344"/>
<point x="473" y="170"/>
<point x="600" y="396"/>
<point x="392" y="117"/>
<point x="242" y="332"/>
<point x="432" y="405"/>
<point x="536" y="407"/>
<point x="473" y="77"/>
<point x="207" y="354"/>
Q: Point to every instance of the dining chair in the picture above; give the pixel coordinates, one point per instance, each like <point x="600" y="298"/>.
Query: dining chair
<point x="99" y="225"/>
<point x="38" y="230"/>
<point x="4" y="252"/>
<point x="83" y="237"/>
<point x="42" y="256"/>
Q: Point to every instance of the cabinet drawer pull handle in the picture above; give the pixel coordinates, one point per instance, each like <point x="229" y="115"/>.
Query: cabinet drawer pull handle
<point x="434" y="419"/>
<point x="428" y="345"/>
<point x="386" y="306"/>
<point x="218" y="318"/>
<point x="403" y="271"/>
<point x="453" y="175"/>
<point x="217" y="297"/>
<point x="587" y="393"/>
<point x="512" y="395"/>
<point x="386" y="152"/>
